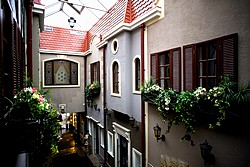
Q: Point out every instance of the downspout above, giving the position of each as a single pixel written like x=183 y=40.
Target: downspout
x=104 y=107
x=142 y=26
x=85 y=99
x=29 y=39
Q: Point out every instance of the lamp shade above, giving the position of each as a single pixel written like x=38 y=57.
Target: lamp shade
x=72 y=22
x=157 y=131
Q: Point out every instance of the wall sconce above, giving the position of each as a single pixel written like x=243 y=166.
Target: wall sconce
x=206 y=153
x=107 y=112
x=72 y=22
x=157 y=133
x=133 y=123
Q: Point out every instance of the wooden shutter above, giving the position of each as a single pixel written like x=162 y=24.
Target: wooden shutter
x=98 y=71
x=189 y=67
x=230 y=55
x=154 y=66
x=176 y=69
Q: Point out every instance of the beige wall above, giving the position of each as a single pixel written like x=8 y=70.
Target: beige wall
x=194 y=21
x=73 y=97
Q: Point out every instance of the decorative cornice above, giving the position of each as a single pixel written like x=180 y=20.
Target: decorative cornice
x=46 y=51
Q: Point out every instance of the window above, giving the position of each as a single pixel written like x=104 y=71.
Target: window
x=137 y=158
x=110 y=143
x=136 y=74
x=95 y=72
x=209 y=60
x=114 y=46
x=61 y=72
x=115 y=72
x=102 y=137
x=166 y=69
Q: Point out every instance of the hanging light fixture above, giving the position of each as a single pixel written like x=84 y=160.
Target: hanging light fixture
x=157 y=133
x=72 y=22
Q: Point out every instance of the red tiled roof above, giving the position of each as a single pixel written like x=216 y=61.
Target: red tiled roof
x=37 y=1
x=124 y=11
x=62 y=39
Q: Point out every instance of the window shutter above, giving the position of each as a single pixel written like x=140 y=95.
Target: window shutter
x=154 y=66
x=188 y=56
x=229 y=55
x=176 y=69
x=98 y=71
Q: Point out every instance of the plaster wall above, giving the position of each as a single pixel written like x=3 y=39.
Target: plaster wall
x=129 y=47
x=95 y=56
x=188 y=22
x=73 y=97
x=193 y=21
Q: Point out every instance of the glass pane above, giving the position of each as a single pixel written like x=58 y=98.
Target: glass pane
x=211 y=68
x=212 y=51
x=162 y=72
x=61 y=72
x=203 y=82
x=167 y=83
x=167 y=71
x=167 y=58
x=202 y=53
x=203 y=68
x=162 y=59
x=211 y=82
x=162 y=83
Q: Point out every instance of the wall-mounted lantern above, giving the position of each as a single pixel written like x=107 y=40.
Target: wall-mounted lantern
x=157 y=133
x=72 y=22
x=133 y=123
x=206 y=153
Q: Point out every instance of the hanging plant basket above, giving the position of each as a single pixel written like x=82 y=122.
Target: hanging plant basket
x=92 y=90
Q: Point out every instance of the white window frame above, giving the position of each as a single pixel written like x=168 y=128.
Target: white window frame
x=119 y=78
x=134 y=73
x=112 y=46
x=90 y=127
x=110 y=143
x=101 y=130
x=122 y=131
x=134 y=153
x=60 y=57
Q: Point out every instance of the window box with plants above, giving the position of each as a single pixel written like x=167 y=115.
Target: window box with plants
x=92 y=90
x=215 y=104
x=33 y=111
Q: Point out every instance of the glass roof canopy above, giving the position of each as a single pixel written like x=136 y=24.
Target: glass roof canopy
x=85 y=12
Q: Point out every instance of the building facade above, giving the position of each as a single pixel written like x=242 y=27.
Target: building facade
x=186 y=29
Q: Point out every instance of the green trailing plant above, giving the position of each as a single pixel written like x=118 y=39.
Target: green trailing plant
x=184 y=107
x=31 y=104
x=150 y=90
x=92 y=90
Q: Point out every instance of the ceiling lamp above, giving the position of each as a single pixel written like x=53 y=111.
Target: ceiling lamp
x=72 y=22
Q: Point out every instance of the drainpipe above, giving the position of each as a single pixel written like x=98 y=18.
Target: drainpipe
x=85 y=99
x=142 y=26
x=104 y=108
x=29 y=38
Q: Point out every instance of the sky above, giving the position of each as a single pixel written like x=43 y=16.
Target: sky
x=86 y=12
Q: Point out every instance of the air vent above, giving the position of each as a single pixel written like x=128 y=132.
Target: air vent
x=48 y=28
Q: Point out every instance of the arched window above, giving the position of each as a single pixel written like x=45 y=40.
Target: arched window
x=137 y=72
x=115 y=70
x=59 y=72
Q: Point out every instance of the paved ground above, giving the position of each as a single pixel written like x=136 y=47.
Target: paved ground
x=70 y=155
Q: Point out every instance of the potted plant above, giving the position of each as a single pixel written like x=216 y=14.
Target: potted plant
x=92 y=90
x=33 y=106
